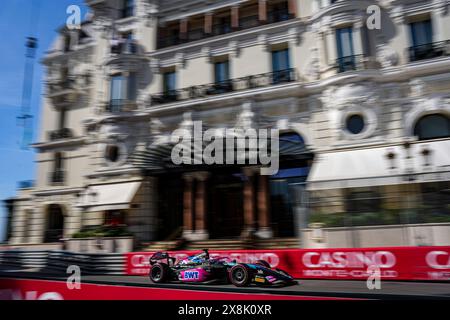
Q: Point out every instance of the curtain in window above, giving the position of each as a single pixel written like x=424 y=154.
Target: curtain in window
x=169 y=82
x=118 y=89
x=222 y=71
x=344 y=40
x=421 y=33
x=122 y=89
x=280 y=60
x=132 y=87
x=128 y=8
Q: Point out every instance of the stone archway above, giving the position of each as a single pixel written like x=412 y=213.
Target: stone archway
x=54 y=225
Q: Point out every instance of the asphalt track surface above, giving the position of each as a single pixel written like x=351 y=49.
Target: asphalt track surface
x=390 y=290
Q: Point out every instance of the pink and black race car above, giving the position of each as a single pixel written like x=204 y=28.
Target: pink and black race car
x=201 y=268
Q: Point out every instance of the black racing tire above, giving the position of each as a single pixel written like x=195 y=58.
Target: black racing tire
x=240 y=275
x=263 y=263
x=159 y=273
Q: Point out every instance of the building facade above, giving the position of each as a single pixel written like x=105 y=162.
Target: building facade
x=363 y=115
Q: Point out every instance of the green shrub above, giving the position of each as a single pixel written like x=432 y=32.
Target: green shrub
x=103 y=232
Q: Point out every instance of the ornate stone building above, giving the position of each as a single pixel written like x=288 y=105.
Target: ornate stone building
x=363 y=115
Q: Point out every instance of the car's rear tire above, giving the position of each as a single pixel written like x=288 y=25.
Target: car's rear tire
x=159 y=273
x=240 y=275
x=263 y=263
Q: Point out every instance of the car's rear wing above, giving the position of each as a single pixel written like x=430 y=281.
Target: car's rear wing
x=158 y=256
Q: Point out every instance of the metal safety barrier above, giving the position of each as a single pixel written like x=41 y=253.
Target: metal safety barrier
x=59 y=261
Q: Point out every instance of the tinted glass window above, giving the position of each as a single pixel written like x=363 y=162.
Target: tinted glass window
x=169 y=81
x=421 y=32
x=355 y=124
x=344 y=40
x=280 y=60
x=221 y=71
x=433 y=126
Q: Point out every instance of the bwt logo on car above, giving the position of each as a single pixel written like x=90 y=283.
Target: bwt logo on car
x=382 y=259
x=193 y=275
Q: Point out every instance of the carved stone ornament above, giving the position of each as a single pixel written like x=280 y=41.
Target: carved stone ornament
x=246 y=117
x=441 y=6
x=350 y=94
x=387 y=56
x=156 y=126
x=418 y=88
x=313 y=67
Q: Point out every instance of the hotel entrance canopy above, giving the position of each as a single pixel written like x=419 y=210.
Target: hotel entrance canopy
x=105 y=197
x=157 y=158
x=378 y=166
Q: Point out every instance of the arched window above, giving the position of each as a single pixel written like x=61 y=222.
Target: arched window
x=291 y=144
x=292 y=137
x=433 y=126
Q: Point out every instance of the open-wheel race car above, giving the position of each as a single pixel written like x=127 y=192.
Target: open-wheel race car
x=202 y=268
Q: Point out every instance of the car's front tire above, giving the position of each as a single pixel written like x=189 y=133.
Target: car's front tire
x=240 y=275
x=159 y=273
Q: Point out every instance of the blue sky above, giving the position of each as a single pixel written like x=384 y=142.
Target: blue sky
x=17 y=164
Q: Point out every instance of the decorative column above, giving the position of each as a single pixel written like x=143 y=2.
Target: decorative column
x=440 y=8
x=262 y=10
x=208 y=22
x=331 y=45
x=249 y=205
x=235 y=17
x=321 y=52
x=188 y=208
x=183 y=28
x=201 y=232
x=264 y=230
x=359 y=37
x=263 y=42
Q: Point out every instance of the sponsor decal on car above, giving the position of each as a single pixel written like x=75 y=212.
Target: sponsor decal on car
x=191 y=275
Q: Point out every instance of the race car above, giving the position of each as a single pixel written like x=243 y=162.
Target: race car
x=201 y=268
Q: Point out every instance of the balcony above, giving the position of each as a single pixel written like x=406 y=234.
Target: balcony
x=127 y=47
x=355 y=63
x=60 y=134
x=57 y=178
x=429 y=51
x=232 y=85
x=247 y=22
x=125 y=55
x=63 y=92
x=278 y=16
x=120 y=105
